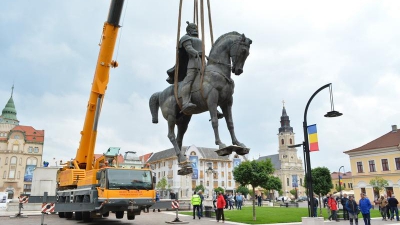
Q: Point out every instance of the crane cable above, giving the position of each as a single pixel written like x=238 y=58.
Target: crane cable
x=196 y=21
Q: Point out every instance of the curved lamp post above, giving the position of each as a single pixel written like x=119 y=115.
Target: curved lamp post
x=340 y=185
x=306 y=146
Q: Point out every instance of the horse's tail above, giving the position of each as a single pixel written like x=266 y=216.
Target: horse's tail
x=154 y=104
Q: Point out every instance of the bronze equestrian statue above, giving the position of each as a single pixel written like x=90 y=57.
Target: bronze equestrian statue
x=216 y=90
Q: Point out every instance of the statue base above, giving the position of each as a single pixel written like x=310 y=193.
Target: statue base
x=232 y=148
x=185 y=171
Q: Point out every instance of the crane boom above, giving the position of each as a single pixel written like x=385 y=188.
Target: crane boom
x=85 y=153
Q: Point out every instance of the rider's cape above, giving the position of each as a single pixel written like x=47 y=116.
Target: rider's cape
x=183 y=58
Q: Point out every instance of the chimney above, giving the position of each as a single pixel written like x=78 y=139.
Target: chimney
x=394 y=128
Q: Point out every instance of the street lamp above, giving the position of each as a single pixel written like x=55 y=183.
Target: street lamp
x=211 y=172
x=340 y=186
x=306 y=146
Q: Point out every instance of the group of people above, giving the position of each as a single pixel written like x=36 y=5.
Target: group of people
x=388 y=207
x=232 y=201
x=351 y=209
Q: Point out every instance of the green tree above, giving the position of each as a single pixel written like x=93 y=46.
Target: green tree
x=199 y=187
x=162 y=184
x=378 y=184
x=322 y=181
x=254 y=173
x=274 y=183
x=293 y=192
x=219 y=189
x=242 y=189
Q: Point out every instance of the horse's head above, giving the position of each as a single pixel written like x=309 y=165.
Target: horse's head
x=239 y=52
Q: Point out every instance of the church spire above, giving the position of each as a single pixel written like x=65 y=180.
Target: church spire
x=285 y=122
x=9 y=113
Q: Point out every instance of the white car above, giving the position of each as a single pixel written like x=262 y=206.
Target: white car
x=283 y=198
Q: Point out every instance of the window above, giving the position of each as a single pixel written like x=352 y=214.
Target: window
x=372 y=166
x=30 y=150
x=282 y=141
x=397 y=162
x=223 y=184
x=344 y=185
x=13 y=160
x=11 y=174
x=360 y=167
x=385 y=165
x=36 y=150
x=291 y=142
x=287 y=182
x=31 y=161
x=6 y=162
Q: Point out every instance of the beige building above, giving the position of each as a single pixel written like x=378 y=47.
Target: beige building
x=378 y=158
x=21 y=150
x=209 y=170
x=288 y=166
x=346 y=182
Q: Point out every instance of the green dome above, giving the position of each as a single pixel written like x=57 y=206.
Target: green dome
x=9 y=111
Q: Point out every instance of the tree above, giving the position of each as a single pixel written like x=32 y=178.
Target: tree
x=162 y=184
x=321 y=181
x=274 y=183
x=242 y=189
x=219 y=189
x=378 y=184
x=199 y=187
x=254 y=173
x=293 y=192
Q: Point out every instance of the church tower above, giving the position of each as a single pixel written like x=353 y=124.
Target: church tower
x=9 y=113
x=286 y=138
x=291 y=172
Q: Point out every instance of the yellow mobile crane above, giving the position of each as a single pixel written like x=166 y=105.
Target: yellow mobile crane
x=92 y=187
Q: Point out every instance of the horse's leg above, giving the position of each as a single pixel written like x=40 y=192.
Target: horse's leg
x=227 y=110
x=171 y=135
x=182 y=124
x=212 y=100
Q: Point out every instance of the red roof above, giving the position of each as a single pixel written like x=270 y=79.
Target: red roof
x=30 y=133
x=145 y=157
x=391 y=139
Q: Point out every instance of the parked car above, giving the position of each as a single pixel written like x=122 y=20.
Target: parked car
x=283 y=198
x=267 y=199
x=302 y=198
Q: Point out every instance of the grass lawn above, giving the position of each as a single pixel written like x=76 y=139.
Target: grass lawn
x=265 y=215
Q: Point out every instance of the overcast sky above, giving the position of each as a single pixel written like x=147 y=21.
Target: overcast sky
x=48 y=50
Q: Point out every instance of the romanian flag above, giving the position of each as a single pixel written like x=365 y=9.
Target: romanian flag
x=313 y=137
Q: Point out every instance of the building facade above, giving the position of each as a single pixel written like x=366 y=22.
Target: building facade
x=21 y=150
x=345 y=183
x=288 y=166
x=209 y=169
x=378 y=158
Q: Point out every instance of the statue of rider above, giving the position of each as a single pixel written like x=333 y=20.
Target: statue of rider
x=190 y=50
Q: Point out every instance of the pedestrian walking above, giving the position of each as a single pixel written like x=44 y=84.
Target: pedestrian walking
x=393 y=207
x=230 y=201
x=196 y=201
x=332 y=203
x=215 y=200
x=365 y=208
x=315 y=214
x=226 y=200
x=234 y=198
x=220 y=207
x=352 y=210
x=328 y=210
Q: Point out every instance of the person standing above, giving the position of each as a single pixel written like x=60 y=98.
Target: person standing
x=215 y=200
x=365 y=207
x=393 y=207
x=157 y=200
x=343 y=202
x=259 y=199
x=352 y=210
x=315 y=214
x=220 y=207
x=226 y=200
x=234 y=198
x=239 y=200
x=230 y=200
x=196 y=201
x=332 y=203
x=201 y=204
x=383 y=202
x=328 y=210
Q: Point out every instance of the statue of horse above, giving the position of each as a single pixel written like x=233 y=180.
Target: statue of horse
x=216 y=90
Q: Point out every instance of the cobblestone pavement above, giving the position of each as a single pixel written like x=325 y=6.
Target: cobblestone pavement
x=152 y=218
